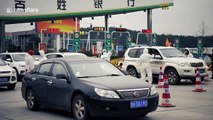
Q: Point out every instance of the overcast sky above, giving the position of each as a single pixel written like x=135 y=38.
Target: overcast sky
x=184 y=18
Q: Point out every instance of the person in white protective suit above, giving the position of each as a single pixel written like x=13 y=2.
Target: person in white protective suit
x=146 y=72
x=188 y=53
x=29 y=61
x=42 y=53
x=106 y=55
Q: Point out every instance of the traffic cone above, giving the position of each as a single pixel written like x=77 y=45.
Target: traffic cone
x=166 y=98
x=206 y=78
x=160 y=79
x=198 y=86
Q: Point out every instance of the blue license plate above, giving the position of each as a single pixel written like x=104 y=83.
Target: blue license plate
x=201 y=71
x=3 y=79
x=139 y=104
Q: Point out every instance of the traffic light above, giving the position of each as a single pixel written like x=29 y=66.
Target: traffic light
x=147 y=31
x=129 y=41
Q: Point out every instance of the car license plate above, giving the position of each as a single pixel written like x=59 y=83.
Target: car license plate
x=139 y=104
x=3 y=80
x=201 y=71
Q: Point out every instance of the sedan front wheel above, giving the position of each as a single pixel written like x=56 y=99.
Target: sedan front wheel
x=79 y=108
x=32 y=104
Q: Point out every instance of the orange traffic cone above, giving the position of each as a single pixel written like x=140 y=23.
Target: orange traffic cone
x=160 y=79
x=206 y=78
x=198 y=86
x=166 y=102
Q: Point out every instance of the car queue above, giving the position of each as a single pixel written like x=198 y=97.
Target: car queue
x=89 y=86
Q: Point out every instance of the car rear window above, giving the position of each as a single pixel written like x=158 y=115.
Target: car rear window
x=53 y=56
x=132 y=53
x=2 y=63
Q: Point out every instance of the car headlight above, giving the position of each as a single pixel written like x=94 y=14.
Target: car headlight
x=184 y=64
x=13 y=71
x=153 y=90
x=21 y=65
x=106 y=93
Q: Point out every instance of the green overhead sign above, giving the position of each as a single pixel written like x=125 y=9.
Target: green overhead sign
x=76 y=41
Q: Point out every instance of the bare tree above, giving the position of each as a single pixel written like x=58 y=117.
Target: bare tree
x=203 y=29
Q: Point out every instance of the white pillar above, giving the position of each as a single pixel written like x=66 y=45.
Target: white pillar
x=58 y=42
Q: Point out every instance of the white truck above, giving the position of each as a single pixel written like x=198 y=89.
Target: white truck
x=173 y=62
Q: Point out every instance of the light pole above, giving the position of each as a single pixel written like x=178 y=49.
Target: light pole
x=42 y=35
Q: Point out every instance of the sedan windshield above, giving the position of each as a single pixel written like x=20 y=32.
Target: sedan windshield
x=19 y=57
x=2 y=63
x=172 y=53
x=86 y=69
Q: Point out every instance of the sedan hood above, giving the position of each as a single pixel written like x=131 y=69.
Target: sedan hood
x=116 y=82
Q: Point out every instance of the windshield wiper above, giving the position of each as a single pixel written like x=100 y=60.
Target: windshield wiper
x=170 y=56
x=112 y=75
x=86 y=76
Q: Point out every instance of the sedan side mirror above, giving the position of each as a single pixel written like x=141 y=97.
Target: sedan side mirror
x=61 y=76
x=158 y=57
x=9 y=60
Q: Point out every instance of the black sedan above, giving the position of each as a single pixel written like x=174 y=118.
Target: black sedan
x=87 y=87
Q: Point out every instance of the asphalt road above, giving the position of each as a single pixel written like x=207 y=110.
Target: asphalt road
x=189 y=106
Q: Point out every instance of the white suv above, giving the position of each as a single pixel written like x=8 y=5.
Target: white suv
x=173 y=62
x=7 y=76
x=16 y=60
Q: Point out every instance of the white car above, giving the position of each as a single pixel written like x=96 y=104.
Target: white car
x=173 y=62
x=16 y=61
x=66 y=55
x=7 y=76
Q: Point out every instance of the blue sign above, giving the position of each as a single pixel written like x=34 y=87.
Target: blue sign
x=119 y=48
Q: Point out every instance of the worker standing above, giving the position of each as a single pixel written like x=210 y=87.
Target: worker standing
x=145 y=66
x=188 y=53
x=106 y=55
x=29 y=61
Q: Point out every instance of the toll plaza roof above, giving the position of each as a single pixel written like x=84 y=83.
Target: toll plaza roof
x=38 y=10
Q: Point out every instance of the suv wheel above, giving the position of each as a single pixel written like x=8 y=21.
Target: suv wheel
x=132 y=71
x=17 y=74
x=174 y=78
